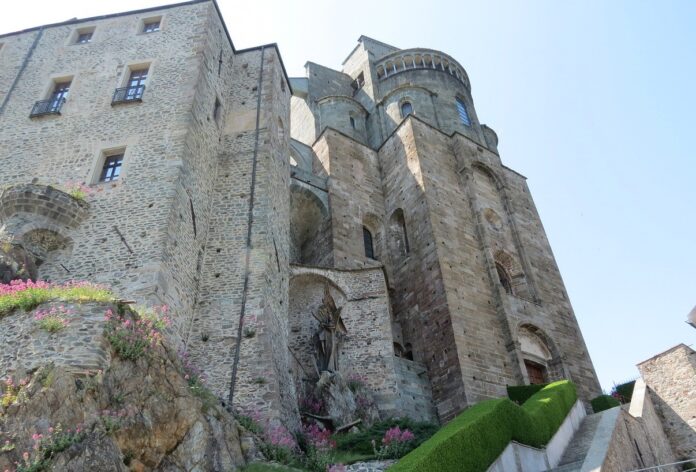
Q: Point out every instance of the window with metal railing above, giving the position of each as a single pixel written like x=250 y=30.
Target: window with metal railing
x=54 y=103
x=133 y=92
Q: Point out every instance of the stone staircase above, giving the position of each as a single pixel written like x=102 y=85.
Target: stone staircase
x=577 y=450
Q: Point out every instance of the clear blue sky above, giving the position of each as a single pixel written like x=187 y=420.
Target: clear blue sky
x=593 y=101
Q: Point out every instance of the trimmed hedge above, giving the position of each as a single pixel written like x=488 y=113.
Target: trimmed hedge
x=604 y=402
x=473 y=440
x=521 y=393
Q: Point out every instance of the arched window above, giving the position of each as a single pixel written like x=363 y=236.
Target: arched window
x=504 y=278
x=406 y=109
x=352 y=122
x=367 y=240
x=463 y=114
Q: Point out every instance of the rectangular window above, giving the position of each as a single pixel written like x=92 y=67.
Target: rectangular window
x=55 y=100
x=358 y=83
x=151 y=26
x=463 y=114
x=367 y=241
x=135 y=86
x=112 y=168
x=84 y=38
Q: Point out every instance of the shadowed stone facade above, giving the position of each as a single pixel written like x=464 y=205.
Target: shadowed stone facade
x=242 y=194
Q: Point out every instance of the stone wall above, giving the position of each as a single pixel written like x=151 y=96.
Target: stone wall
x=671 y=379
x=367 y=349
x=80 y=346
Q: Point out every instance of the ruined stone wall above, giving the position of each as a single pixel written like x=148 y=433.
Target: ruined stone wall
x=671 y=378
x=69 y=147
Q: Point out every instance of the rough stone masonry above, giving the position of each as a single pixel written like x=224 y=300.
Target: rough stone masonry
x=220 y=187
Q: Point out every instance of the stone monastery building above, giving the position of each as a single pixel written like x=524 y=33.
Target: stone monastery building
x=234 y=194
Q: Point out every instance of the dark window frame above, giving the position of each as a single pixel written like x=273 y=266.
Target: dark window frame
x=368 y=242
x=152 y=26
x=463 y=112
x=111 y=168
x=406 y=108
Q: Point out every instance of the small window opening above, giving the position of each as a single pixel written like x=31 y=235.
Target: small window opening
x=504 y=278
x=463 y=114
x=59 y=95
x=112 y=168
x=367 y=240
x=406 y=109
x=358 y=83
x=84 y=37
x=352 y=122
x=220 y=63
x=151 y=26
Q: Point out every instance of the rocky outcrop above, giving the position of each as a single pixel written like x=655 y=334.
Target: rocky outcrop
x=137 y=415
x=15 y=263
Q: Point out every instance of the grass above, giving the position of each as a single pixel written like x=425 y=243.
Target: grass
x=28 y=295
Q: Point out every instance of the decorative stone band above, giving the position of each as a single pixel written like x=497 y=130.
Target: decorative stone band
x=44 y=200
x=411 y=59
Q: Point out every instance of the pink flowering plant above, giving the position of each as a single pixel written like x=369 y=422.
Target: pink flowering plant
x=77 y=190
x=53 y=319
x=27 y=295
x=12 y=392
x=395 y=443
x=278 y=443
x=132 y=336
x=46 y=446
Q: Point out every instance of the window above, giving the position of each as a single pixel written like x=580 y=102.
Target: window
x=135 y=86
x=367 y=240
x=352 y=122
x=112 y=168
x=83 y=35
x=151 y=26
x=358 y=83
x=406 y=109
x=463 y=115
x=55 y=100
x=504 y=278
x=84 y=38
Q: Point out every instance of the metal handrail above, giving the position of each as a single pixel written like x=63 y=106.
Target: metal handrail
x=51 y=106
x=133 y=93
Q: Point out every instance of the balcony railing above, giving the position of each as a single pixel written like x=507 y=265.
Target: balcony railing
x=47 y=107
x=413 y=59
x=128 y=94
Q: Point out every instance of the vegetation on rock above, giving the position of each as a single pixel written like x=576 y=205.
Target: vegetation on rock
x=27 y=295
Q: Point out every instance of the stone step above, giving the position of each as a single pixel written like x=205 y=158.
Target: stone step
x=574 y=455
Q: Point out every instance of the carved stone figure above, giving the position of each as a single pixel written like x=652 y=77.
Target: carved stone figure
x=328 y=335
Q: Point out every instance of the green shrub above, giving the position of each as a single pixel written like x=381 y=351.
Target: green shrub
x=27 y=295
x=361 y=442
x=475 y=438
x=521 y=393
x=604 y=402
x=624 y=391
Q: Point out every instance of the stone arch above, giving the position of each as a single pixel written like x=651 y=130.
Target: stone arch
x=310 y=227
x=303 y=160
x=508 y=267
x=540 y=356
x=306 y=291
x=398 y=235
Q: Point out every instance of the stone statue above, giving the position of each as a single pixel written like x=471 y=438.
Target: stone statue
x=328 y=335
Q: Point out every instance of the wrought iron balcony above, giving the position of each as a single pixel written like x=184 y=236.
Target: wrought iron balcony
x=51 y=106
x=128 y=94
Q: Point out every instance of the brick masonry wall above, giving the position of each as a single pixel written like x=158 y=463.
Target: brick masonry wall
x=671 y=378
